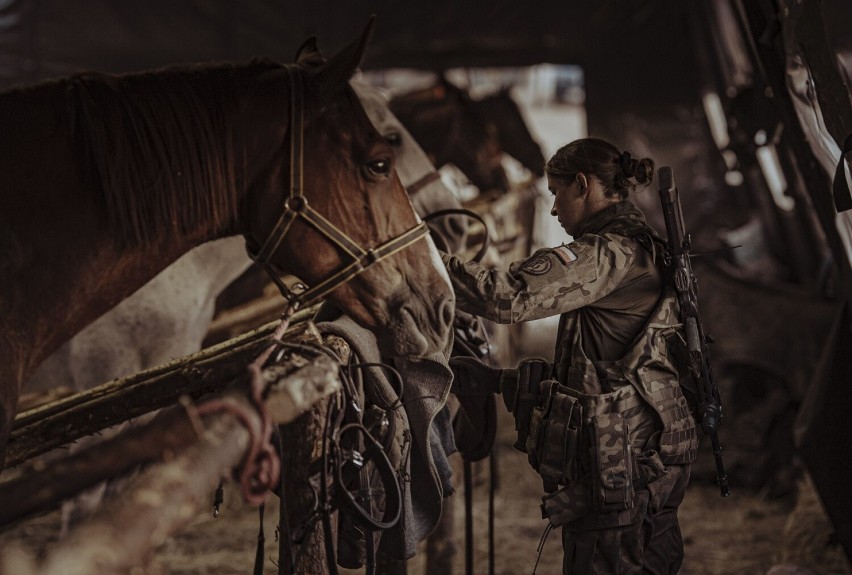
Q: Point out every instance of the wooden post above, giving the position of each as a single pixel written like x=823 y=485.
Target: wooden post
x=304 y=440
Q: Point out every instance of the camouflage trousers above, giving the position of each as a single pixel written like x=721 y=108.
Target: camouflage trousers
x=645 y=539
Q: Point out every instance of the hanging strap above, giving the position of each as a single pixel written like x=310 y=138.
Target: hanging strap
x=840 y=186
x=468 y=518
x=261 y=542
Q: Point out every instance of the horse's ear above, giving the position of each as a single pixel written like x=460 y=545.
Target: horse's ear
x=337 y=71
x=309 y=54
x=450 y=88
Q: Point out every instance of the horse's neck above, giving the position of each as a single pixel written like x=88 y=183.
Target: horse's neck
x=68 y=269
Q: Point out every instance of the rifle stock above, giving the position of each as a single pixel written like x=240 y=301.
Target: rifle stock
x=697 y=342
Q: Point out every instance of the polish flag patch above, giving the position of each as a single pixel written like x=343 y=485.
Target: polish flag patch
x=565 y=254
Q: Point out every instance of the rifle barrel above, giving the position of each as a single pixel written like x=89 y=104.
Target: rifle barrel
x=709 y=400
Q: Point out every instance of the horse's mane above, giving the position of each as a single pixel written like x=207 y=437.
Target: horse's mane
x=158 y=146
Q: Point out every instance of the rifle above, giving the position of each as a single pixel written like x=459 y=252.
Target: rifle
x=697 y=343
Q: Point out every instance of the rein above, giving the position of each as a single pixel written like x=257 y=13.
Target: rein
x=296 y=206
x=355 y=472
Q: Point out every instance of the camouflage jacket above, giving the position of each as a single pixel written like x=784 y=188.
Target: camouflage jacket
x=603 y=272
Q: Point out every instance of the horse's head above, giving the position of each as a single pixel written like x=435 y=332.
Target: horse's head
x=515 y=137
x=351 y=235
x=444 y=121
x=426 y=189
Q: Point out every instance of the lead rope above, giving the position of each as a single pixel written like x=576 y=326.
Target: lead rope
x=492 y=490
x=286 y=556
x=262 y=466
x=541 y=543
x=261 y=542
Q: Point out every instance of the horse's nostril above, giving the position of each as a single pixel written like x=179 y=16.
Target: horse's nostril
x=447 y=312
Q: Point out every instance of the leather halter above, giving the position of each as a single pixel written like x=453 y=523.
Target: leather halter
x=429 y=178
x=296 y=206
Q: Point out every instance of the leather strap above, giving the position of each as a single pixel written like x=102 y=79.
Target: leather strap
x=840 y=186
x=423 y=182
x=296 y=206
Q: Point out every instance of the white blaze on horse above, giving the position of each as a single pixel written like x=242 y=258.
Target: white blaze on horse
x=111 y=179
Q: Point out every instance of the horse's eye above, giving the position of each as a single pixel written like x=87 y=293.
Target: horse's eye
x=379 y=167
x=394 y=139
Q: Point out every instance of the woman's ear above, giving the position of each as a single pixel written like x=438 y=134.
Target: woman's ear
x=583 y=182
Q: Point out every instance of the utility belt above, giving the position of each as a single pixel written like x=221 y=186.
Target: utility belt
x=573 y=436
x=569 y=436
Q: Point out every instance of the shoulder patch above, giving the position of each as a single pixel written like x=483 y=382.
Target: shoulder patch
x=537 y=265
x=565 y=254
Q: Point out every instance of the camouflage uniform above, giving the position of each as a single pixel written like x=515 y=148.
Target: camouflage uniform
x=612 y=435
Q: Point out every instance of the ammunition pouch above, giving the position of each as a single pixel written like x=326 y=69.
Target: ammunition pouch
x=531 y=374
x=574 y=437
x=554 y=434
x=553 y=440
x=614 y=468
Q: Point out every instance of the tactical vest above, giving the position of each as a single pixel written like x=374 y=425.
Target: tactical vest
x=643 y=382
x=603 y=417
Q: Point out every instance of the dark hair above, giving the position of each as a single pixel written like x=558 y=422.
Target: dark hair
x=599 y=158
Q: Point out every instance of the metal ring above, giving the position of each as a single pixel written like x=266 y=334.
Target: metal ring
x=296 y=203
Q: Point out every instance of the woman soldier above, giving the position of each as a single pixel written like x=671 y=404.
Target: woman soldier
x=606 y=425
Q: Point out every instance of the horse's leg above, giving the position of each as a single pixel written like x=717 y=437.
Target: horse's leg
x=81 y=506
x=302 y=457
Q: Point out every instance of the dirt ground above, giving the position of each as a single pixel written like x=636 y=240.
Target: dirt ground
x=745 y=533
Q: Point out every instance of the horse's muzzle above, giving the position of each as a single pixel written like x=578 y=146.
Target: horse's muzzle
x=419 y=326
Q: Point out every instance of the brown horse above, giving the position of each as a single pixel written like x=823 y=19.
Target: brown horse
x=445 y=122
x=500 y=109
x=109 y=179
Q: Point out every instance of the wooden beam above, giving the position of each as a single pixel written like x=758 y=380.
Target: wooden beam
x=122 y=535
x=41 y=486
x=211 y=370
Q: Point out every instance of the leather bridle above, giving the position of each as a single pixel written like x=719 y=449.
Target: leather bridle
x=296 y=206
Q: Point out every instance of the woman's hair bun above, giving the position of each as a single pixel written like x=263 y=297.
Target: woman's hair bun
x=640 y=170
x=643 y=170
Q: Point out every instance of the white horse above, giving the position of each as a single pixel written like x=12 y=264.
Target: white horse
x=169 y=317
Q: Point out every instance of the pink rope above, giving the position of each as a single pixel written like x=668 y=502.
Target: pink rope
x=261 y=468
